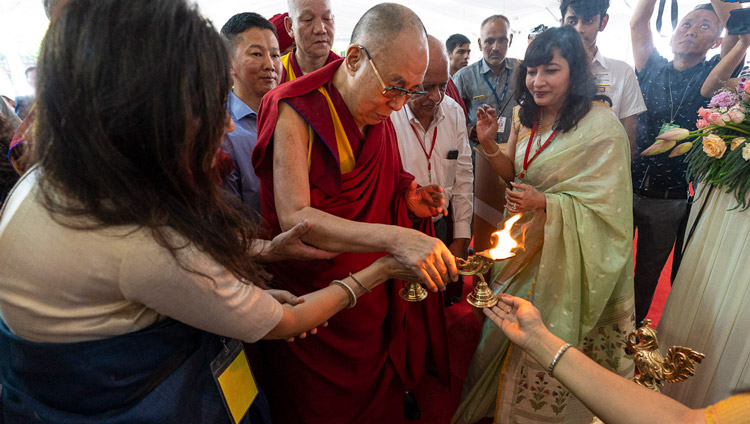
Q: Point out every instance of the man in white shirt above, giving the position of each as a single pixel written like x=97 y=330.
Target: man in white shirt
x=615 y=78
x=434 y=147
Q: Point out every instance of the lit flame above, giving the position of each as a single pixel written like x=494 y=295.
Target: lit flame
x=505 y=243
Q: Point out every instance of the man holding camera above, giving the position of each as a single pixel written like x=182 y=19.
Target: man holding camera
x=673 y=92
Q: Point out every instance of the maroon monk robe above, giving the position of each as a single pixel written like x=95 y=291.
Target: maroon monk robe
x=295 y=66
x=354 y=370
x=452 y=91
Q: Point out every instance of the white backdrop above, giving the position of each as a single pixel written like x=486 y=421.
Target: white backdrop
x=22 y=25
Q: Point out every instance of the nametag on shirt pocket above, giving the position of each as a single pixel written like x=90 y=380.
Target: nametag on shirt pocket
x=501 y=124
x=603 y=82
x=452 y=154
x=233 y=376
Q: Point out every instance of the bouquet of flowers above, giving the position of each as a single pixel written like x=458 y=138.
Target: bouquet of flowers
x=723 y=133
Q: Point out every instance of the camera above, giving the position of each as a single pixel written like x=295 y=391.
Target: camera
x=739 y=20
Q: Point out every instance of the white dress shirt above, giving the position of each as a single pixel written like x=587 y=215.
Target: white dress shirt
x=616 y=79
x=455 y=176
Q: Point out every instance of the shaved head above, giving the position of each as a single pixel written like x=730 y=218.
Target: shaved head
x=387 y=58
x=438 y=54
x=385 y=22
x=297 y=6
x=434 y=83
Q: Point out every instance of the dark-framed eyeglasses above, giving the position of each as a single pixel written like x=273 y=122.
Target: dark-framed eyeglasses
x=427 y=89
x=391 y=92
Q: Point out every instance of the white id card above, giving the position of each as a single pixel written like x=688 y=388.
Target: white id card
x=501 y=124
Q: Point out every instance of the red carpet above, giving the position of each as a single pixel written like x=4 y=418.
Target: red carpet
x=438 y=403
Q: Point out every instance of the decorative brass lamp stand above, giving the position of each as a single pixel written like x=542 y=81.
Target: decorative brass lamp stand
x=413 y=292
x=655 y=369
x=478 y=264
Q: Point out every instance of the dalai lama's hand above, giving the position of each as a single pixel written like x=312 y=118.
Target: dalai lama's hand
x=425 y=201
x=426 y=257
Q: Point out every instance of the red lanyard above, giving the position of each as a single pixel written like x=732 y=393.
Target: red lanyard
x=526 y=161
x=421 y=144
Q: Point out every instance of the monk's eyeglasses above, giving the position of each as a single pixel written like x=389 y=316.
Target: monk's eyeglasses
x=391 y=92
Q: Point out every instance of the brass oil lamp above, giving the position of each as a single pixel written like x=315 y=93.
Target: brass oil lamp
x=478 y=264
x=481 y=262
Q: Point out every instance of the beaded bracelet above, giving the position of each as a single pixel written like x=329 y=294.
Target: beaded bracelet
x=349 y=292
x=557 y=357
x=359 y=284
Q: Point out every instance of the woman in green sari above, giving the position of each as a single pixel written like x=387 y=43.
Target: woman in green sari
x=569 y=165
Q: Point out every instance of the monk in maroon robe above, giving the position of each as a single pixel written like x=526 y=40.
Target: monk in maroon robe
x=311 y=25
x=291 y=69
x=327 y=152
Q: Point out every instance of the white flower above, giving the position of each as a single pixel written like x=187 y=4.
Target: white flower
x=746 y=152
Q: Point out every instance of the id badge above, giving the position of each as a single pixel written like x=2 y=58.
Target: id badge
x=501 y=124
x=666 y=127
x=235 y=380
x=603 y=82
x=519 y=180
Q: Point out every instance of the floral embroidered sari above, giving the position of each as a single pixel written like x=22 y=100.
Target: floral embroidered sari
x=581 y=277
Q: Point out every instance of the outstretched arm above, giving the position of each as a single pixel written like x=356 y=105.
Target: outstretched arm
x=426 y=256
x=723 y=9
x=723 y=70
x=640 y=32
x=322 y=304
x=610 y=396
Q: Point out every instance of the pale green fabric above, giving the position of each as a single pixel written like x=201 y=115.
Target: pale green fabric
x=584 y=271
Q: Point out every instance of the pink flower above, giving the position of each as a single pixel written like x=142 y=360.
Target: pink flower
x=723 y=99
x=701 y=123
x=747 y=88
x=736 y=115
x=702 y=112
x=716 y=119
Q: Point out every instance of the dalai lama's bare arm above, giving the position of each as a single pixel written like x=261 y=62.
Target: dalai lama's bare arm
x=425 y=256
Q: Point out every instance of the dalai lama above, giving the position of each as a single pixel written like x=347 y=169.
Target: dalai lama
x=327 y=152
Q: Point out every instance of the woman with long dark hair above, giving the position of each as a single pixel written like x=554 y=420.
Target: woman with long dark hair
x=125 y=268
x=568 y=163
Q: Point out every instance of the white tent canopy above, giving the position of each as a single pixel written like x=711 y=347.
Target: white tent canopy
x=22 y=25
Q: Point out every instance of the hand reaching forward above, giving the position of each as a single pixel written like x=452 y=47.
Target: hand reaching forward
x=519 y=319
x=425 y=201
x=428 y=258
